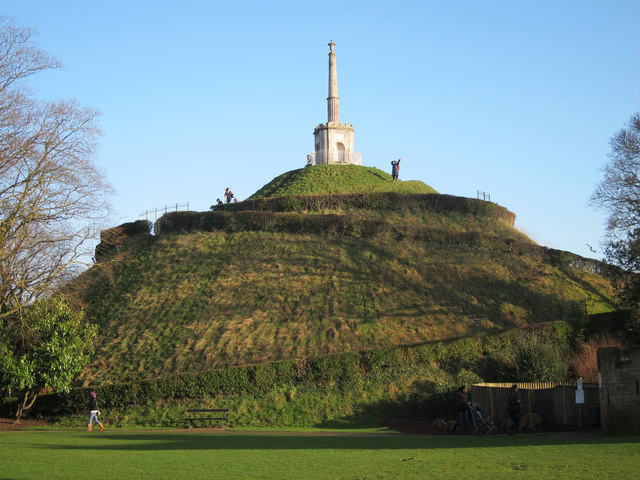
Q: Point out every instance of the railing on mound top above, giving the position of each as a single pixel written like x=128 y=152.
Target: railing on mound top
x=159 y=211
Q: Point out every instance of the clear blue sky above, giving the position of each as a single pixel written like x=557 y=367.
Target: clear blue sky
x=514 y=98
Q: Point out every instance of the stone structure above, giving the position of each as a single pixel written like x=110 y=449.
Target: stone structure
x=334 y=140
x=619 y=372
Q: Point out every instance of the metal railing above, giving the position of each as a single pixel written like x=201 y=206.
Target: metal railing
x=159 y=211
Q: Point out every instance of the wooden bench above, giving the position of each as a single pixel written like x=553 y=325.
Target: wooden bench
x=204 y=415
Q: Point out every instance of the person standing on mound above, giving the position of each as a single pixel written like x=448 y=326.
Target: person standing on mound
x=228 y=195
x=94 y=412
x=395 y=169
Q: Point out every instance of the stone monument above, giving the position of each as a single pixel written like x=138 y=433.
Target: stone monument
x=334 y=140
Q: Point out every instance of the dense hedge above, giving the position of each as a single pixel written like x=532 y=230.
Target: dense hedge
x=286 y=222
x=281 y=214
x=469 y=358
x=373 y=201
x=112 y=237
x=344 y=370
x=270 y=222
x=350 y=225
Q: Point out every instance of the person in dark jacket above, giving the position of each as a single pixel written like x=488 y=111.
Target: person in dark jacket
x=395 y=168
x=462 y=409
x=94 y=412
x=514 y=409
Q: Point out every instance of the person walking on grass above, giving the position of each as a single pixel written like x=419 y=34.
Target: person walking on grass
x=94 y=412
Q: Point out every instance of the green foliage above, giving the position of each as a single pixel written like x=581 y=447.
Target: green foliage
x=331 y=370
x=462 y=354
x=381 y=361
x=46 y=347
x=281 y=214
x=431 y=353
x=362 y=203
x=337 y=391
x=467 y=377
x=530 y=357
x=112 y=237
x=352 y=388
x=539 y=362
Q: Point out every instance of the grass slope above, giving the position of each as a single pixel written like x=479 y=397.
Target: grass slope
x=269 y=285
x=332 y=179
x=198 y=301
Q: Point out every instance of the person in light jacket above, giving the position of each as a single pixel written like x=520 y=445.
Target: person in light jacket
x=94 y=412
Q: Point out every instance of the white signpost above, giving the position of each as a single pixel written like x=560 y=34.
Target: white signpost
x=580 y=399
x=580 y=392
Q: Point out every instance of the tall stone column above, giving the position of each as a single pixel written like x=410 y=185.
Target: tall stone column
x=334 y=140
x=333 y=102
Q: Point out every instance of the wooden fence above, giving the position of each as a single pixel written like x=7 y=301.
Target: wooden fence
x=554 y=402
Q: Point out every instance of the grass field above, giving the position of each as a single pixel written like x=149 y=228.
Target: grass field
x=127 y=454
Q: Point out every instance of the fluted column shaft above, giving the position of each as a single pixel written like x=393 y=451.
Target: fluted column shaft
x=333 y=102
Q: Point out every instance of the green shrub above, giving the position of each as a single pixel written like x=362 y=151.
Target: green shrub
x=539 y=362
x=353 y=387
x=467 y=377
x=463 y=353
x=383 y=360
x=526 y=357
x=434 y=353
x=112 y=237
x=332 y=369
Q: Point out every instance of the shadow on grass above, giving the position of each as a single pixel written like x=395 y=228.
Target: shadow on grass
x=319 y=441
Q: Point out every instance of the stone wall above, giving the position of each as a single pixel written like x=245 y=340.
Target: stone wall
x=619 y=371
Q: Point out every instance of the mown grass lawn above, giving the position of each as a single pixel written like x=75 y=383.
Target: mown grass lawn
x=125 y=454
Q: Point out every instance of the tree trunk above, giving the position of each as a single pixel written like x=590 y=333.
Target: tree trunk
x=26 y=404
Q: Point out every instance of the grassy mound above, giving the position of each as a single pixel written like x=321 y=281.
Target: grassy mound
x=322 y=260
x=332 y=179
x=194 y=302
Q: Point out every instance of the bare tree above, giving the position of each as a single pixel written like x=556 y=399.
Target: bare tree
x=619 y=194
x=52 y=196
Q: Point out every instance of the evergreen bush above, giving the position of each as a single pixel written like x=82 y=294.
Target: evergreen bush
x=539 y=362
